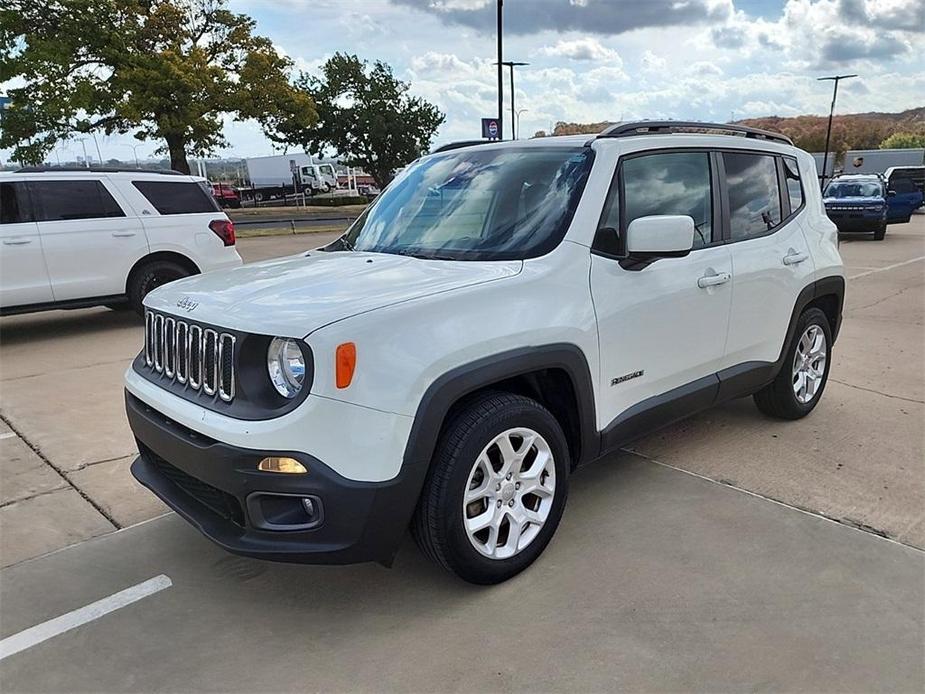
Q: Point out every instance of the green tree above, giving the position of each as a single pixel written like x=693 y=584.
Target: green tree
x=170 y=70
x=904 y=141
x=367 y=116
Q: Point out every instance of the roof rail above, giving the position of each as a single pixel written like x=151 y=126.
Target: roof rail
x=97 y=169
x=655 y=127
x=460 y=144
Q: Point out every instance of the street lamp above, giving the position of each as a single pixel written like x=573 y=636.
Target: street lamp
x=500 y=67
x=516 y=115
x=512 y=64
x=828 y=132
x=82 y=140
x=134 y=151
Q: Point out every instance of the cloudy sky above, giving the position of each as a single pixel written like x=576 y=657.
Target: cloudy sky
x=594 y=60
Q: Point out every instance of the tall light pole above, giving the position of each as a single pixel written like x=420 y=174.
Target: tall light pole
x=500 y=68
x=512 y=64
x=82 y=140
x=516 y=115
x=828 y=131
x=134 y=152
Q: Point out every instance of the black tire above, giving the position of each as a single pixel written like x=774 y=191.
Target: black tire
x=150 y=276
x=438 y=524
x=777 y=399
x=880 y=232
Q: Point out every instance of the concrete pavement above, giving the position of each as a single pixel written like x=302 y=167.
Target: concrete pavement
x=656 y=581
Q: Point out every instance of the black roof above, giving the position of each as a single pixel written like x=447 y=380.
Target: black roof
x=655 y=127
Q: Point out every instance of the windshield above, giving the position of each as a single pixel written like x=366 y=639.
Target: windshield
x=476 y=204
x=858 y=189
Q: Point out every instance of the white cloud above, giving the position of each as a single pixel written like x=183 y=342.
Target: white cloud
x=586 y=48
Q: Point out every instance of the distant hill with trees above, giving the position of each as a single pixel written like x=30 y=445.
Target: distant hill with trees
x=850 y=131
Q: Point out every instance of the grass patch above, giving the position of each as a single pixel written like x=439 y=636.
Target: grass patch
x=252 y=232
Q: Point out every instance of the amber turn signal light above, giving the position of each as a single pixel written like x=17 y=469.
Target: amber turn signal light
x=345 y=361
x=289 y=466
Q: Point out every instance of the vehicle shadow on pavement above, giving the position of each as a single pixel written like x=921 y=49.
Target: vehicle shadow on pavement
x=54 y=325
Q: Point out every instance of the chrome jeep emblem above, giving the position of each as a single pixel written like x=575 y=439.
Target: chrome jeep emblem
x=187 y=304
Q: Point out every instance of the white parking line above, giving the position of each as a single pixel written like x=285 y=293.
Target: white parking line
x=54 y=627
x=7 y=435
x=888 y=267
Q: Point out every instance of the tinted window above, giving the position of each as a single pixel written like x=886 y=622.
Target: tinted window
x=58 y=200
x=14 y=205
x=177 y=197
x=854 y=189
x=476 y=204
x=794 y=188
x=670 y=183
x=754 y=199
x=902 y=185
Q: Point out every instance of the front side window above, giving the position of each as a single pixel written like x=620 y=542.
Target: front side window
x=670 y=183
x=177 y=197
x=476 y=204
x=754 y=198
x=14 y=204
x=794 y=187
x=68 y=200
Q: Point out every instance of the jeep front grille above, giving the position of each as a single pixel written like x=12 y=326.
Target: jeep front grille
x=197 y=357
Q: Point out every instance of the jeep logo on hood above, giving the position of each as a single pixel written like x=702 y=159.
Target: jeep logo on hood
x=187 y=304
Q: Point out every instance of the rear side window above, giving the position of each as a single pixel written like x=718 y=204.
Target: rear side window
x=177 y=197
x=902 y=185
x=754 y=198
x=14 y=204
x=794 y=187
x=675 y=183
x=67 y=200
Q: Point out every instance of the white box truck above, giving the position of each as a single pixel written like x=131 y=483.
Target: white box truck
x=286 y=174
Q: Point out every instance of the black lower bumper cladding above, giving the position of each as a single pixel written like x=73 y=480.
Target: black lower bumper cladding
x=209 y=484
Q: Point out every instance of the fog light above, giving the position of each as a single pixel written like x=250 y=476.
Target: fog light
x=284 y=465
x=309 y=505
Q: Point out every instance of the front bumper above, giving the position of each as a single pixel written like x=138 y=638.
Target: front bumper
x=214 y=486
x=856 y=221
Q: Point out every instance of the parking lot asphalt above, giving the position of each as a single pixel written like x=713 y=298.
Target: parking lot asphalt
x=725 y=578
x=655 y=581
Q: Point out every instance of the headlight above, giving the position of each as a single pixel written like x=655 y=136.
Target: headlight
x=286 y=366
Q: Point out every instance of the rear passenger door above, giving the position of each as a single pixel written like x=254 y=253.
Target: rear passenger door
x=763 y=196
x=90 y=244
x=23 y=277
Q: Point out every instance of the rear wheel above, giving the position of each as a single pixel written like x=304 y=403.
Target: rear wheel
x=496 y=489
x=151 y=276
x=799 y=385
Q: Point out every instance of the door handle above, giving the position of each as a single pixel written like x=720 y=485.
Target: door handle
x=16 y=242
x=713 y=280
x=793 y=257
x=123 y=234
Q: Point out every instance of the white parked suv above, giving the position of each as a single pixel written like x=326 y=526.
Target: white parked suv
x=71 y=238
x=501 y=314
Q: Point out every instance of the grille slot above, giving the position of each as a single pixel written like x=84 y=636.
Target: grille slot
x=200 y=358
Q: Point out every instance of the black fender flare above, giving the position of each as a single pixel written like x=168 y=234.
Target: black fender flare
x=826 y=286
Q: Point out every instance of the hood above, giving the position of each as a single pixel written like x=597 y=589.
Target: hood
x=296 y=295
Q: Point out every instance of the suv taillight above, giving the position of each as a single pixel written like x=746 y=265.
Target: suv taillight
x=224 y=229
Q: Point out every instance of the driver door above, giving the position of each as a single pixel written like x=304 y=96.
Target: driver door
x=662 y=327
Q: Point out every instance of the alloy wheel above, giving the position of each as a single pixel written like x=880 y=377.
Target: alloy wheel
x=509 y=493
x=809 y=364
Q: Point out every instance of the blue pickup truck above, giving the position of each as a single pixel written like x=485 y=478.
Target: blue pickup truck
x=862 y=203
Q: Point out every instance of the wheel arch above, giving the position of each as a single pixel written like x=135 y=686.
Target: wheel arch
x=171 y=256
x=826 y=294
x=557 y=375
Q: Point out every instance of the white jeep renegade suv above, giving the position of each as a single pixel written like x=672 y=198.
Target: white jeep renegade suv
x=71 y=238
x=501 y=314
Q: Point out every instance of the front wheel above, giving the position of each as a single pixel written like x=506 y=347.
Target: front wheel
x=802 y=378
x=496 y=488
x=880 y=232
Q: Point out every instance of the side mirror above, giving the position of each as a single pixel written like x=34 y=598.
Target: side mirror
x=891 y=193
x=660 y=236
